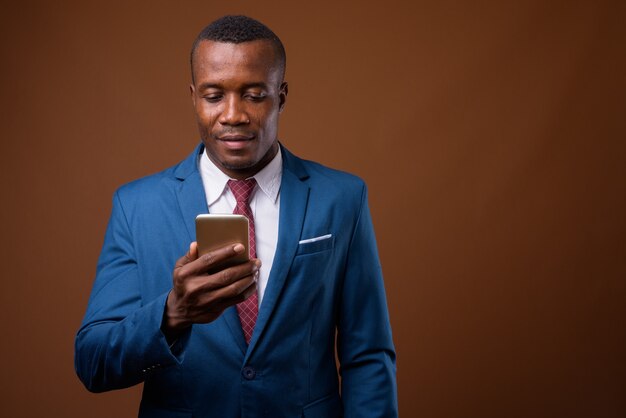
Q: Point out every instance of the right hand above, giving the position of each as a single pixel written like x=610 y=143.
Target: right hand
x=198 y=297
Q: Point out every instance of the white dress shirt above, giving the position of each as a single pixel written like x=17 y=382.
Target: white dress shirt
x=264 y=203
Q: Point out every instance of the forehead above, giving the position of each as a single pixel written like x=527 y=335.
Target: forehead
x=253 y=61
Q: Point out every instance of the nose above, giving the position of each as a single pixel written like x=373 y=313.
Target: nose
x=233 y=113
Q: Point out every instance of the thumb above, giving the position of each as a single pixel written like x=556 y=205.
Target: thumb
x=192 y=254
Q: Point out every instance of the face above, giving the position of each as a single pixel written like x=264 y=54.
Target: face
x=238 y=94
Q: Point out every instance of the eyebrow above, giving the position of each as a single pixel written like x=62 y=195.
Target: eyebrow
x=208 y=85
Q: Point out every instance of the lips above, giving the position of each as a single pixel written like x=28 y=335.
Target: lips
x=235 y=138
x=235 y=141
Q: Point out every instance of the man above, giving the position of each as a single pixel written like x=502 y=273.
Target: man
x=256 y=339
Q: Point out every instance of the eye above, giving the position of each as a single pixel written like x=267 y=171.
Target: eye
x=255 y=97
x=212 y=98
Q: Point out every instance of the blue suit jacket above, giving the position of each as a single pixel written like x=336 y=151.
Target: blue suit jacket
x=317 y=292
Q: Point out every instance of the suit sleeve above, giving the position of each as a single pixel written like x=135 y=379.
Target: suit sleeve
x=120 y=342
x=365 y=347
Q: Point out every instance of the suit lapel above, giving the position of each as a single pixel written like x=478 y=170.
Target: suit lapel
x=192 y=202
x=294 y=194
x=190 y=192
x=231 y=317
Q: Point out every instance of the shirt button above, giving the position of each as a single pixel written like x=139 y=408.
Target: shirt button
x=248 y=373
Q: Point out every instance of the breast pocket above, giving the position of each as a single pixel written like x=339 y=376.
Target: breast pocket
x=316 y=244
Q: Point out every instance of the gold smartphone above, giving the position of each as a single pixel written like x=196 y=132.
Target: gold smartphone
x=215 y=231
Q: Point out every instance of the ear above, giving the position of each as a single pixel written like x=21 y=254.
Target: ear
x=192 y=90
x=282 y=96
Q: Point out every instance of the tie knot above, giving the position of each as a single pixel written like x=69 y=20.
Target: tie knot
x=242 y=189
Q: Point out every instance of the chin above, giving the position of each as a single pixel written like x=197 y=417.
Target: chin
x=237 y=164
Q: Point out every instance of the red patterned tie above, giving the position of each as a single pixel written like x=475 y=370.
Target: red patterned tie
x=249 y=308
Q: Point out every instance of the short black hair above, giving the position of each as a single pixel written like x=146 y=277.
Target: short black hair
x=238 y=29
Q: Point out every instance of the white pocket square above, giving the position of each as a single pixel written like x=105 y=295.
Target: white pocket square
x=320 y=238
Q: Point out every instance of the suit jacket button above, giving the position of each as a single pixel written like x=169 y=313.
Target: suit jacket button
x=248 y=373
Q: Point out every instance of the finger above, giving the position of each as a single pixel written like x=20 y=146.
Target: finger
x=193 y=250
x=206 y=262
x=191 y=255
x=231 y=275
x=206 y=284
x=211 y=311
x=234 y=294
x=229 y=291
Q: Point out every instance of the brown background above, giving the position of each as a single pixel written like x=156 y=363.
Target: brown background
x=491 y=136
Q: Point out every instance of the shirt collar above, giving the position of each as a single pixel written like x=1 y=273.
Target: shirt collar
x=268 y=179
